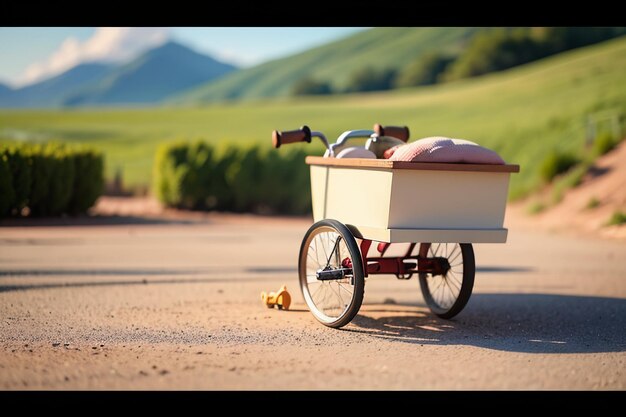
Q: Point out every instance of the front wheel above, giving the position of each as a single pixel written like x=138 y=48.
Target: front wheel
x=447 y=294
x=331 y=273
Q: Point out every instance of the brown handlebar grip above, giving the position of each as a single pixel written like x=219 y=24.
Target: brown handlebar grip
x=400 y=132
x=292 y=136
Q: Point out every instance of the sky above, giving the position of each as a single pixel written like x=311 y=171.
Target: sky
x=28 y=55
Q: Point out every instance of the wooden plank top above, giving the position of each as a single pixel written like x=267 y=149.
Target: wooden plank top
x=427 y=166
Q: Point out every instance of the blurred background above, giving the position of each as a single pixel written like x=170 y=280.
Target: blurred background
x=182 y=117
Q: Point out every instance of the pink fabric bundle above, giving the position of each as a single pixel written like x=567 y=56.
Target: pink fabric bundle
x=442 y=149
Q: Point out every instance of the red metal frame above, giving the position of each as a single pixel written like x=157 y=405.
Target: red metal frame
x=397 y=265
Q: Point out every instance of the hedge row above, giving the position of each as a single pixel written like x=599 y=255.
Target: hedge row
x=199 y=177
x=49 y=179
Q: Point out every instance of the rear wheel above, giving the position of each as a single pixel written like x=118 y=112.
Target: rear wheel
x=331 y=273
x=446 y=295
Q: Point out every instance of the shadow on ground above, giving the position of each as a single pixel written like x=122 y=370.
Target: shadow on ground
x=98 y=220
x=144 y=281
x=532 y=323
x=106 y=272
x=500 y=269
x=140 y=275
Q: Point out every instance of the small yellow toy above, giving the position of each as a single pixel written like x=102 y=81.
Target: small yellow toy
x=281 y=299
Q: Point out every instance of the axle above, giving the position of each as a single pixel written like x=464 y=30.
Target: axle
x=402 y=266
x=332 y=273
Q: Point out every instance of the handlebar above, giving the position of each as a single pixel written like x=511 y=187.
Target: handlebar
x=400 y=132
x=304 y=134
x=291 y=136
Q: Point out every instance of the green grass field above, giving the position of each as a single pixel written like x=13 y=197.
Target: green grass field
x=521 y=113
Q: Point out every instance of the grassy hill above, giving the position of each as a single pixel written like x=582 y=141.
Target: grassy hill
x=521 y=113
x=378 y=48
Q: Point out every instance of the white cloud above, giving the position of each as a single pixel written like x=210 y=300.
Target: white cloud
x=234 y=58
x=105 y=45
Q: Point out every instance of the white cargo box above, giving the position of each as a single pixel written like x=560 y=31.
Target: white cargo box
x=392 y=201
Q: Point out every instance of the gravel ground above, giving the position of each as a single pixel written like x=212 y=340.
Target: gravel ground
x=175 y=304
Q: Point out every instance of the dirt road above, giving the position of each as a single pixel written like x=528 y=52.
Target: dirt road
x=174 y=304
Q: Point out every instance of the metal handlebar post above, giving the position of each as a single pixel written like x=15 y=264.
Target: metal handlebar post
x=322 y=138
x=345 y=136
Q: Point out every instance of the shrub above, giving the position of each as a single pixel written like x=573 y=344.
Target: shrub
x=52 y=179
x=603 y=143
x=272 y=182
x=49 y=179
x=617 y=218
x=298 y=183
x=196 y=178
x=88 y=180
x=62 y=182
x=166 y=176
x=20 y=165
x=592 y=203
x=424 y=71
x=194 y=175
x=497 y=49
x=7 y=195
x=310 y=86
x=370 y=79
x=536 y=208
x=184 y=174
x=223 y=194
x=284 y=182
x=573 y=178
x=245 y=176
x=42 y=169
x=556 y=163
x=488 y=51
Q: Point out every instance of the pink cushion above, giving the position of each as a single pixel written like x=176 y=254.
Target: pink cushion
x=441 y=149
x=387 y=154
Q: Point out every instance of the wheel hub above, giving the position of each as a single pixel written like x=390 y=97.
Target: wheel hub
x=328 y=273
x=435 y=266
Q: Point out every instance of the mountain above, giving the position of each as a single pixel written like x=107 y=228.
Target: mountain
x=51 y=92
x=153 y=76
x=4 y=89
x=335 y=61
x=147 y=79
x=6 y=93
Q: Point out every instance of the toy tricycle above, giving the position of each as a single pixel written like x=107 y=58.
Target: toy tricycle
x=356 y=201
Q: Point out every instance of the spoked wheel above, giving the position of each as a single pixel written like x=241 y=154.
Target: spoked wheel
x=447 y=294
x=331 y=273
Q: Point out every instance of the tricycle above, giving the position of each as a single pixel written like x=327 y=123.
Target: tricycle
x=437 y=210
